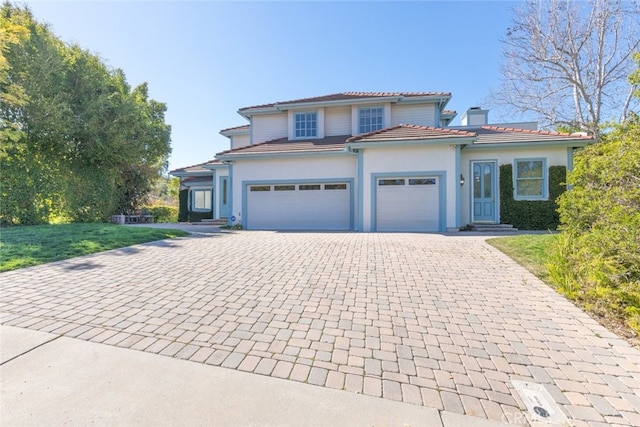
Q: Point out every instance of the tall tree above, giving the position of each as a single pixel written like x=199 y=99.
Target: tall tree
x=568 y=61
x=76 y=142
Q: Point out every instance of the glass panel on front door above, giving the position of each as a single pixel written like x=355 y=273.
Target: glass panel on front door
x=224 y=197
x=484 y=200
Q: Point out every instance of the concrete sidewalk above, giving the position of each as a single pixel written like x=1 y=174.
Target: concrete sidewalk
x=49 y=379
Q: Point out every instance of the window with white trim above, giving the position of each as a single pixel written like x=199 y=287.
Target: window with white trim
x=530 y=179
x=370 y=119
x=201 y=200
x=306 y=124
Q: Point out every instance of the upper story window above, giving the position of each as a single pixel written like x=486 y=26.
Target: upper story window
x=530 y=179
x=306 y=125
x=371 y=119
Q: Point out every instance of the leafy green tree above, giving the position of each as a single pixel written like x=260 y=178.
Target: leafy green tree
x=77 y=143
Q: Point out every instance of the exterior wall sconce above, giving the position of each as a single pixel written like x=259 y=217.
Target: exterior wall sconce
x=461 y=180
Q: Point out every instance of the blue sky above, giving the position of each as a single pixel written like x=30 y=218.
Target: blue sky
x=207 y=59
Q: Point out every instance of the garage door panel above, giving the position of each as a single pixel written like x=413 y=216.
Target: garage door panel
x=309 y=206
x=408 y=204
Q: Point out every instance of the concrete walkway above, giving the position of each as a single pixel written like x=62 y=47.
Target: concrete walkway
x=439 y=324
x=52 y=380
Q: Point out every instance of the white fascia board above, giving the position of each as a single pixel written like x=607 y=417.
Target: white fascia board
x=234 y=132
x=253 y=156
x=441 y=100
x=555 y=143
x=285 y=106
x=438 y=141
x=304 y=105
x=187 y=174
x=216 y=166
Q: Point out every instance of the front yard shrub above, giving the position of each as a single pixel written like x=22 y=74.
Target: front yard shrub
x=183 y=205
x=531 y=214
x=597 y=258
x=163 y=213
x=185 y=215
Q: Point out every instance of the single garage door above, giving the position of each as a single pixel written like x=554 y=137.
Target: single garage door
x=303 y=206
x=408 y=204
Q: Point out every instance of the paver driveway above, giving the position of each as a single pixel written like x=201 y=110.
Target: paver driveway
x=441 y=321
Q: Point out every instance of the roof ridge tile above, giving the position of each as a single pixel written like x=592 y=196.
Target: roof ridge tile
x=534 y=131
x=341 y=95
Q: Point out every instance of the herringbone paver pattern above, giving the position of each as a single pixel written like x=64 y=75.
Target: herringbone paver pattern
x=441 y=321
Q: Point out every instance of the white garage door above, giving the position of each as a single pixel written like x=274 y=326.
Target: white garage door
x=304 y=206
x=408 y=204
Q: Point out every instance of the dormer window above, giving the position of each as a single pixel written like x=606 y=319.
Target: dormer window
x=306 y=125
x=371 y=119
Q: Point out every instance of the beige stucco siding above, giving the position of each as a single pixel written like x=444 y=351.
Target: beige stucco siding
x=419 y=159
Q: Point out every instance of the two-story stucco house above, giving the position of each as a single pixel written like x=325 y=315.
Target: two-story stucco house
x=366 y=161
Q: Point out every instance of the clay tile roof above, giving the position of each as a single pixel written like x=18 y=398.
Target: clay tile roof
x=194 y=169
x=351 y=95
x=495 y=135
x=242 y=127
x=285 y=145
x=411 y=132
x=196 y=179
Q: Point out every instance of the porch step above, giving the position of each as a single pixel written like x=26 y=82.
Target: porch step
x=493 y=228
x=222 y=221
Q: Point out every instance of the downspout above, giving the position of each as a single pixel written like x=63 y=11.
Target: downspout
x=359 y=191
x=458 y=189
x=229 y=163
x=213 y=195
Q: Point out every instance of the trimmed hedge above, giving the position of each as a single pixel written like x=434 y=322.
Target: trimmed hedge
x=185 y=215
x=531 y=214
x=183 y=203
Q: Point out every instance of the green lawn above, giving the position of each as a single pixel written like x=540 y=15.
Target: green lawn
x=529 y=250
x=616 y=308
x=32 y=245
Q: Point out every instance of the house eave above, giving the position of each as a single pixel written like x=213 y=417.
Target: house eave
x=280 y=154
x=441 y=100
x=189 y=174
x=532 y=144
x=216 y=166
x=234 y=132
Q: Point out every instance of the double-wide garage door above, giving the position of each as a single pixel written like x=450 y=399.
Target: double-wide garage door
x=299 y=206
x=408 y=204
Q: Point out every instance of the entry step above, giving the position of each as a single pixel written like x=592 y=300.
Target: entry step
x=222 y=221
x=493 y=228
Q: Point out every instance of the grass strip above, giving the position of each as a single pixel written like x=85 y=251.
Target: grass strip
x=27 y=246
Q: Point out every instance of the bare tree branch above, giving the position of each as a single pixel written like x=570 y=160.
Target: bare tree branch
x=567 y=61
